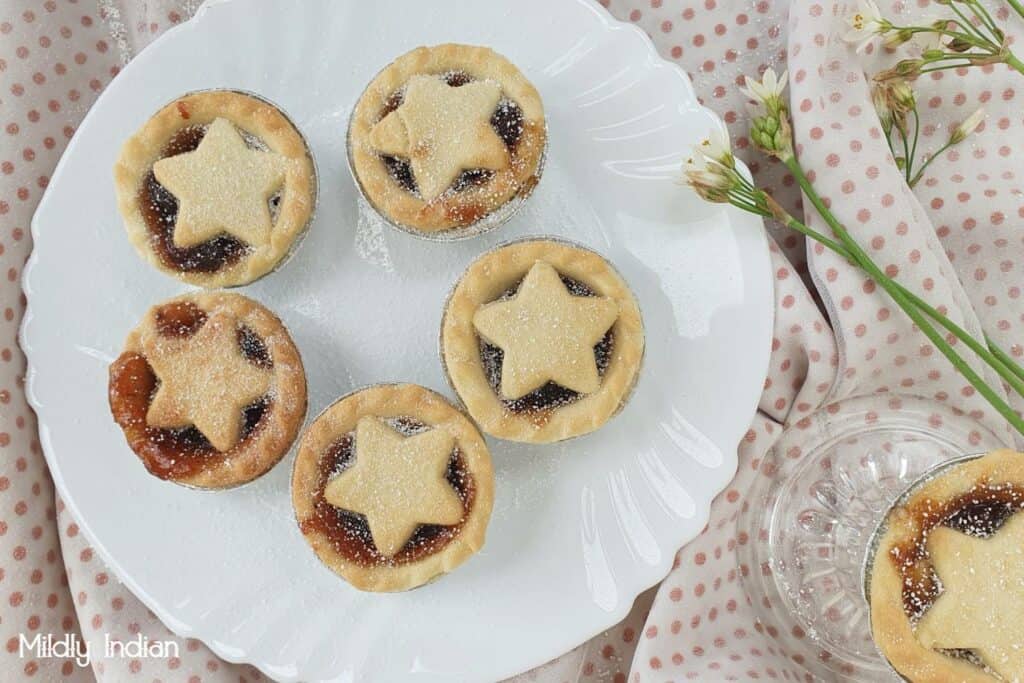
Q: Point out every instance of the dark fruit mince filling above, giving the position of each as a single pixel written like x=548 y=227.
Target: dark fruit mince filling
x=979 y=513
x=181 y=452
x=349 y=533
x=540 y=402
x=507 y=122
x=160 y=212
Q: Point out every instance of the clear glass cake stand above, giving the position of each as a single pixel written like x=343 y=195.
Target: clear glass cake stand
x=819 y=496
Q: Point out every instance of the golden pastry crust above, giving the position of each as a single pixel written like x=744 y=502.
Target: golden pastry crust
x=253 y=115
x=386 y=401
x=891 y=626
x=278 y=428
x=486 y=280
x=451 y=209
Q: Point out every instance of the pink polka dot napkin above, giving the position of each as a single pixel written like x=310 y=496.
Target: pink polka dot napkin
x=954 y=239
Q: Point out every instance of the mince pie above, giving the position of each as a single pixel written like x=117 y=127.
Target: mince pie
x=216 y=187
x=210 y=390
x=392 y=487
x=947 y=578
x=542 y=340
x=446 y=137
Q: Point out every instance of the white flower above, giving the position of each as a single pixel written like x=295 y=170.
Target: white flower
x=707 y=183
x=969 y=125
x=715 y=147
x=709 y=168
x=710 y=155
x=768 y=89
x=769 y=117
x=865 y=23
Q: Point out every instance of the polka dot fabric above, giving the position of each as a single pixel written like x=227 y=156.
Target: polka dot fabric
x=54 y=59
x=954 y=239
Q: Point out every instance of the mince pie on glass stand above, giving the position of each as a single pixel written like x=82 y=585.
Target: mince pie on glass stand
x=946 y=577
x=873 y=549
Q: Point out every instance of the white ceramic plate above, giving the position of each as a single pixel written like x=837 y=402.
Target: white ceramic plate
x=579 y=529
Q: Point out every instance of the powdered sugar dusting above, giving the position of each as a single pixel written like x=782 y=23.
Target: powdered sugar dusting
x=369 y=237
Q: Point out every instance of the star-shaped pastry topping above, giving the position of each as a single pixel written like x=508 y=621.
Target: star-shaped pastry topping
x=222 y=186
x=982 y=600
x=204 y=381
x=547 y=334
x=443 y=131
x=397 y=482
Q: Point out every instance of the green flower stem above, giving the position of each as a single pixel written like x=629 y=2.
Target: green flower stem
x=888 y=139
x=1015 y=63
x=969 y=59
x=984 y=17
x=794 y=224
x=913 y=147
x=994 y=356
x=897 y=293
x=750 y=208
x=966 y=23
x=1015 y=4
x=1005 y=358
x=920 y=172
x=971 y=37
x=990 y=353
x=907 y=160
x=754 y=200
x=747 y=197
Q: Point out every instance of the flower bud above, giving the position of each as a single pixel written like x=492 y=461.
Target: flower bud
x=969 y=125
x=771 y=133
x=959 y=45
x=880 y=99
x=908 y=68
x=902 y=95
